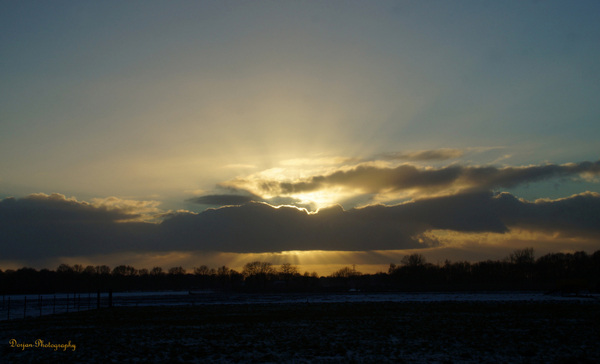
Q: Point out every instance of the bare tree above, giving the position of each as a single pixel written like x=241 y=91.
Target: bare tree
x=522 y=256
x=102 y=269
x=223 y=271
x=124 y=270
x=288 y=271
x=256 y=268
x=176 y=271
x=346 y=272
x=157 y=271
x=63 y=268
x=413 y=260
x=202 y=271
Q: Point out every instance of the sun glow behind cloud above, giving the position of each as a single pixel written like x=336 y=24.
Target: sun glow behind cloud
x=320 y=199
x=261 y=183
x=385 y=181
x=294 y=104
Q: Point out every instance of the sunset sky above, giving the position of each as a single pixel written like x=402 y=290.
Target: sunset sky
x=320 y=133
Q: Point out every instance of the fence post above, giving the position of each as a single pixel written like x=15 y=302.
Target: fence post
x=78 y=302
x=110 y=297
x=8 y=314
x=24 y=306
x=41 y=305
x=89 y=300
x=54 y=307
x=98 y=299
x=67 y=303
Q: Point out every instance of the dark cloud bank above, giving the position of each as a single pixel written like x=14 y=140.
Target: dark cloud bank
x=52 y=226
x=233 y=199
x=221 y=200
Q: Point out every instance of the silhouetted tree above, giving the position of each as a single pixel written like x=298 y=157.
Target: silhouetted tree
x=177 y=277
x=176 y=270
x=102 y=269
x=157 y=271
x=235 y=278
x=288 y=271
x=122 y=277
x=258 y=273
x=203 y=274
x=223 y=271
x=345 y=272
x=522 y=256
x=346 y=277
x=157 y=277
x=124 y=270
x=145 y=279
x=223 y=276
x=63 y=268
x=257 y=268
x=413 y=260
x=202 y=270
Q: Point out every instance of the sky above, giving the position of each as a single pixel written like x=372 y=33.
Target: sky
x=322 y=134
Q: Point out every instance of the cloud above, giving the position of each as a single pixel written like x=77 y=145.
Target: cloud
x=577 y=215
x=425 y=155
x=259 y=227
x=52 y=225
x=318 y=161
x=234 y=199
x=55 y=226
x=143 y=210
x=221 y=200
x=58 y=209
x=369 y=178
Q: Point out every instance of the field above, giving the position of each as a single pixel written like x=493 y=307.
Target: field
x=337 y=332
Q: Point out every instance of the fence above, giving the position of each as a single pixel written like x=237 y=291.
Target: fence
x=19 y=307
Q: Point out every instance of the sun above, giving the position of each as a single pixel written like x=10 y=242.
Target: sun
x=320 y=199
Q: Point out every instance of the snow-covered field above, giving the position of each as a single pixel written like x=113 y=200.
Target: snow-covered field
x=341 y=328
x=38 y=305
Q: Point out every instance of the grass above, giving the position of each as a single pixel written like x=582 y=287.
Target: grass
x=381 y=332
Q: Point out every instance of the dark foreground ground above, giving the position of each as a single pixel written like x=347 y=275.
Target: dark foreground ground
x=381 y=332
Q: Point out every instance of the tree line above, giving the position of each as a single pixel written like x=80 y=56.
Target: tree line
x=79 y=279
x=520 y=270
